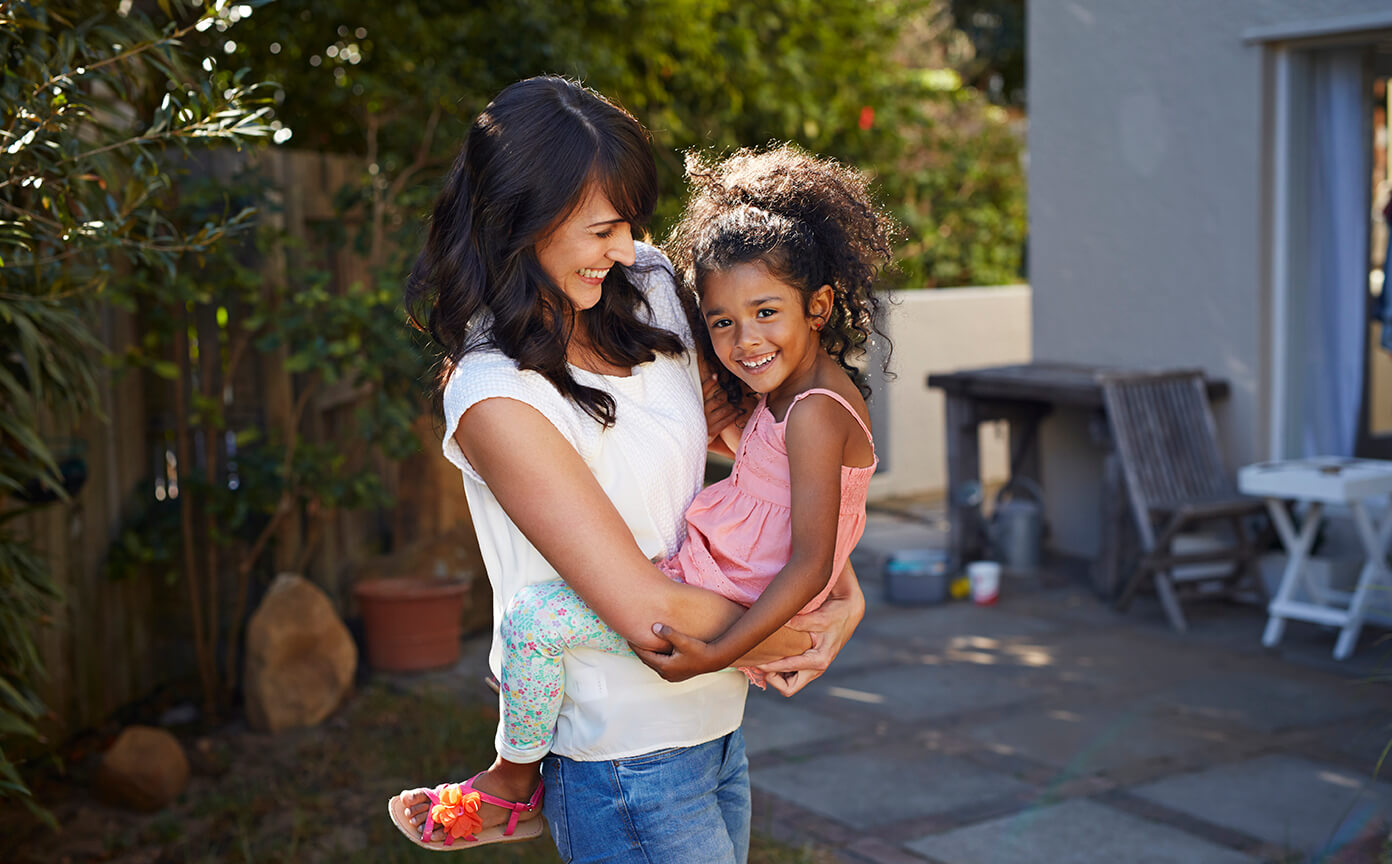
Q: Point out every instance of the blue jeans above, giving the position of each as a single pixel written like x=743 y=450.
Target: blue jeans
x=677 y=806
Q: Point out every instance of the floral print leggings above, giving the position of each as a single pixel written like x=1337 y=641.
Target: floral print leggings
x=541 y=622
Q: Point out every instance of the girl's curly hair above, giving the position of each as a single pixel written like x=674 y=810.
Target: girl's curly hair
x=809 y=220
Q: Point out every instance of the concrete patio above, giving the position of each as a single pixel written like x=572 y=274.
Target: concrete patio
x=1049 y=728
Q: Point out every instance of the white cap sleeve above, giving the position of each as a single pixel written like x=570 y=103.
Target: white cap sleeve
x=655 y=278
x=490 y=374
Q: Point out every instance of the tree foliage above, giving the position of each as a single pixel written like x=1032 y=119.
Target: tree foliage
x=996 y=30
x=867 y=83
x=90 y=101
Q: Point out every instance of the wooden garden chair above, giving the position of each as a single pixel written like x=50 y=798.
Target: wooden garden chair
x=1176 y=481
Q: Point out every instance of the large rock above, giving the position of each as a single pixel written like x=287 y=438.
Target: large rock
x=300 y=658
x=144 y=769
x=450 y=557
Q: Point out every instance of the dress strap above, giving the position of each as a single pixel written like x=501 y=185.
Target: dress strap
x=844 y=404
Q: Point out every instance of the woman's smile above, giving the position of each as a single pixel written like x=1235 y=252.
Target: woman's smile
x=592 y=276
x=594 y=233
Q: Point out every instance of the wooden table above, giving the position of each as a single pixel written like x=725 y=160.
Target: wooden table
x=1316 y=482
x=1023 y=395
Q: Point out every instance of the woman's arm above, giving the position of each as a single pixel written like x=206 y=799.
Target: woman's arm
x=816 y=441
x=550 y=494
x=801 y=650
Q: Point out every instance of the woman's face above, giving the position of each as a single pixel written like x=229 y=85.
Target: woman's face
x=577 y=255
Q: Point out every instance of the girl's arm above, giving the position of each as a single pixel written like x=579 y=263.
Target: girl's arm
x=816 y=438
x=550 y=494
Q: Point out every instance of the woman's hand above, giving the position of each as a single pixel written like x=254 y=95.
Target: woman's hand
x=830 y=626
x=688 y=658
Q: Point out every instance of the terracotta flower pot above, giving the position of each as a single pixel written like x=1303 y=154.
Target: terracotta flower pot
x=411 y=624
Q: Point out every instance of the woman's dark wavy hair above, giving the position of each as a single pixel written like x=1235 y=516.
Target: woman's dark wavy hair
x=810 y=221
x=524 y=168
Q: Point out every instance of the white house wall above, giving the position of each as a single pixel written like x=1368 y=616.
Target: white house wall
x=1147 y=206
x=942 y=331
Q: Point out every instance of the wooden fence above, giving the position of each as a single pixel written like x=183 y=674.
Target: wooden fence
x=114 y=641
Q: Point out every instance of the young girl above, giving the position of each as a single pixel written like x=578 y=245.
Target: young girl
x=781 y=250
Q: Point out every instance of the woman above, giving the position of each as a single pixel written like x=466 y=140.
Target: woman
x=572 y=409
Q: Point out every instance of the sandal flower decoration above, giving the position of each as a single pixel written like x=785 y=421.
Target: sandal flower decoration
x=457 y=812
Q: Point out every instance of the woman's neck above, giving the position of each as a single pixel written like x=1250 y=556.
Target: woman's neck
x=581 y=352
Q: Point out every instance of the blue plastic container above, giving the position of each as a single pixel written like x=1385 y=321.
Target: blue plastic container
x=917 y=577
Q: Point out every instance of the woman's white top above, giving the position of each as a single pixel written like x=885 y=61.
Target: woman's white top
x=651 y=463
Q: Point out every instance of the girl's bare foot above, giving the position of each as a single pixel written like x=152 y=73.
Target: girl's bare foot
x=510 y=781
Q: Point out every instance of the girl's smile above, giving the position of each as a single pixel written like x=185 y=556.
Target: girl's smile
x=758 y=364
x=759 y=327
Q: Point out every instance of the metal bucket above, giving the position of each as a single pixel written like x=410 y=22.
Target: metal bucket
x=1016 y=530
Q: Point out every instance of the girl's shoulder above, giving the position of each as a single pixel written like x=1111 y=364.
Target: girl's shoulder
x=838 y=403
x=831 y=381
x=835 y=405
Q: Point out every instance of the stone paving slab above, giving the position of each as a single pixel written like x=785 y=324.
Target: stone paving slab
x=1239 y=628
x=1113 y=664
x=1286 y=801
x=921 y=692
x=863 y=790
x=1265 y=702
x=772 y=723
x=1364 y=744
x=1080 y=741
x=1077 y=832
x=1077 y=606
x=935 y=625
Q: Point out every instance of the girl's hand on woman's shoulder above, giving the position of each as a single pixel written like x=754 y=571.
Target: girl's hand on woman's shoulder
x=720 y=415
x=724 y=422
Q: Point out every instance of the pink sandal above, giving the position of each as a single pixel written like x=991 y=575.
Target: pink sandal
x=454 y=807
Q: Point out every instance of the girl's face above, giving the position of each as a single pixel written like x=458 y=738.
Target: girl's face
x=759 y=328
x=578 y=252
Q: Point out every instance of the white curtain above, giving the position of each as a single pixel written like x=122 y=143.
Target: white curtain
x=1335 y=323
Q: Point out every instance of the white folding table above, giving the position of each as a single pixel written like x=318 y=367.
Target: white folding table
x=1316 y=482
